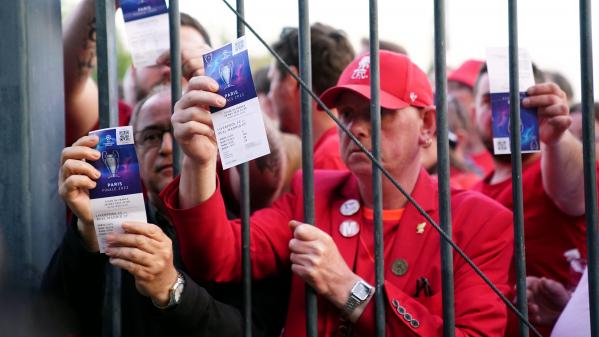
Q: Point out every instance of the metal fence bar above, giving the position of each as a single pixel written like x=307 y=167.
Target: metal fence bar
x=377 y=192
x=443 y=170
x=246 y=262
x=588 y=149
x=305 y=68
x=107 y=64
x=108 y=116
x=388 y=175
x=174 y=22
x=517 y=165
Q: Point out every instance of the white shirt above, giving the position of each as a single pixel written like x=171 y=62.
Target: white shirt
x=575 y=321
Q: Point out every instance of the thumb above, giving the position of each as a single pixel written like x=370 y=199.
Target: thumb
x=293 y=224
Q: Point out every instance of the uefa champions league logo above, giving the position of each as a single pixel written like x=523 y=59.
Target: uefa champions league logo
x=111 y=160
x=226 y=70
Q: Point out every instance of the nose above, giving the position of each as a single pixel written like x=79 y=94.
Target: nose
x=166 y=146
x=360 y=126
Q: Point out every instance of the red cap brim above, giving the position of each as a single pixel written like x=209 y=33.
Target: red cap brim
x=388 y=101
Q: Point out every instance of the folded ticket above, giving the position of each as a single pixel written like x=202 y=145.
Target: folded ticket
x=498 y=68
x=118 y=195
x=147 y=30
x=239 y=127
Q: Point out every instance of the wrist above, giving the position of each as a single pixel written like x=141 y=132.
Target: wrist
x=88 y=234
x=343 y=290
x=165 y=297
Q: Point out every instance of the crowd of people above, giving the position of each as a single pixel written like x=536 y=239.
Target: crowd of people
x=182 y=269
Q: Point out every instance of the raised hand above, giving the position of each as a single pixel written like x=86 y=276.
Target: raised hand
x=75 y=178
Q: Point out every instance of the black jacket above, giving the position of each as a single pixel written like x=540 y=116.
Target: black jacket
x=77 y=277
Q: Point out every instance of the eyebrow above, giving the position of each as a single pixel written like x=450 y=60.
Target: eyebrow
x=155 y=127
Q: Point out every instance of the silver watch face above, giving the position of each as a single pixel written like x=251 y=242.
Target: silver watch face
x=178 y=289
x=361 y=290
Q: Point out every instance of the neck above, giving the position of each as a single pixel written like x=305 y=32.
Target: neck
x=503 y=168
x=321 y=123
x=392 y=197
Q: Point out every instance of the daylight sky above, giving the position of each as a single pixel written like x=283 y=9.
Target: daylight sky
x=548 y=29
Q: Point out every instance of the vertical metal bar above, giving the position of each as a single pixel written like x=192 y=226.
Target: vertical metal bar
x=108 y=114
x=517 y=165
x=107 y=63
x=174 y=20
x=588 y=149
x=443 y=170
x=305 y=68
x=377 y=194
x=246 y=261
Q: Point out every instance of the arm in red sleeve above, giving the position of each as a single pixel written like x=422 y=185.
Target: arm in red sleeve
x=210 y=244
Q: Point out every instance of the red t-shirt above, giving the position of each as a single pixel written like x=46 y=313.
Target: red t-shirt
x=548 y=232
x=484 y=161
x=326 y=152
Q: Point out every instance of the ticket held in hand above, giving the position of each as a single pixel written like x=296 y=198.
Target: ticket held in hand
x=118 y=195
x=239 y=127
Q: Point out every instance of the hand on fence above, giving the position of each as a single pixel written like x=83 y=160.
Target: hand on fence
x=192 y=122
x=316 y=259
x=553 y=111
x=75 y=179
x=147 y=253
x=546 y=299
x=192 y=63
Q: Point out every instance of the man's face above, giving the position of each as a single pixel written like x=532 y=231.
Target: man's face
x=400 y=131
x=284 y=98
x=155 y=146
x=149 y=77
x=483 y=112
x=464 y=95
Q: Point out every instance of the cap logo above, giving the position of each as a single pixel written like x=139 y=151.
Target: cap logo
x=413 y=96
x=360 y=72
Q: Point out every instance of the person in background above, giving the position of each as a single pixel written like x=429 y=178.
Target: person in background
x=552 y=183
x=460 y=84
x=331 y=53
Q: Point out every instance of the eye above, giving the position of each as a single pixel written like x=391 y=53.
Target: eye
x=151 y=136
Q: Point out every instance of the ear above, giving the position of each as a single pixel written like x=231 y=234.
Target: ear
x=289 y=81
x=429 y=124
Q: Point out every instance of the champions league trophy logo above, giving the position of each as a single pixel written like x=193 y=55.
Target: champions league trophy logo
x=111 y=160
x=226 y=70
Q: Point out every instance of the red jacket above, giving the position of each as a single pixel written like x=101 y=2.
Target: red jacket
x=211 y=249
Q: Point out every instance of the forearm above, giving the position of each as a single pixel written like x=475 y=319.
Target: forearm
x=198 y=182
x=562 y=167
x=79 y=49
x=79 y=46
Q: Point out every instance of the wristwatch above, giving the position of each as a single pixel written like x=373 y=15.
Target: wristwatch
x=359 y=294
x=174 y=293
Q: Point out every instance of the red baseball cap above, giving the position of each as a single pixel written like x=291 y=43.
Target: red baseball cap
x=467 y=73
x=402 y=82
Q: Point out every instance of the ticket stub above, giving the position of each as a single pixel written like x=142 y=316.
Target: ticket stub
x=146 y=27
x=118 y=195
x=239 y=127
x=498 y=69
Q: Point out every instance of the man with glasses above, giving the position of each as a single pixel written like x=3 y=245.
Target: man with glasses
x=158 y=298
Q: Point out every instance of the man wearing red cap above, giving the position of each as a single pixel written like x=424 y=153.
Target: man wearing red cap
x=460 y=84
x=335 y=256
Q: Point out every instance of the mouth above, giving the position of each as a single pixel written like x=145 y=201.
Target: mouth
x=164 y=167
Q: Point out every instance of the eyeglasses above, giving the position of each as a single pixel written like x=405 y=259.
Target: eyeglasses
x=152 y=136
